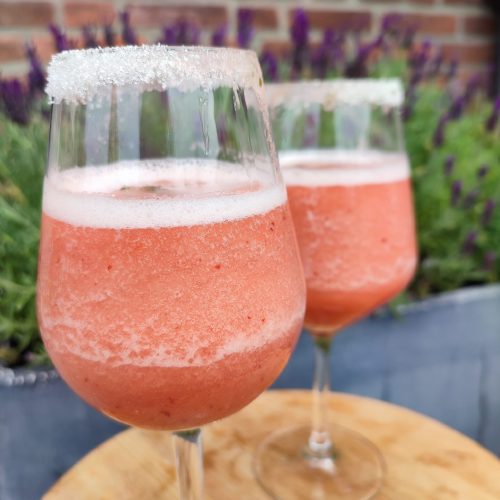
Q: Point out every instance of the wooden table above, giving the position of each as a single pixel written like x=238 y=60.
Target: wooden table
x=426 y=460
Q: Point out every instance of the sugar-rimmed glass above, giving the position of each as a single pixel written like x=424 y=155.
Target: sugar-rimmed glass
x=342 y=155
x=170 y=289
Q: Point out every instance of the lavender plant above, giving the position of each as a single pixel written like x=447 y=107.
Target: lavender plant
x=245 y=29
x=22 y=161
x=456 y=188
x=452 y=138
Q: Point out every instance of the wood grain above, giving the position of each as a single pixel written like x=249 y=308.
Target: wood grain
x=425 y=459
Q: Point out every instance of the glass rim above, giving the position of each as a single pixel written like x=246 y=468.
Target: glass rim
x=76 y=76
x=386 y=92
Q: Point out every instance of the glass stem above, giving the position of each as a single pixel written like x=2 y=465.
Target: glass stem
x=320 y=445
x=189 y=463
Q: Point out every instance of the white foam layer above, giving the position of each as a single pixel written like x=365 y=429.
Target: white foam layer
x=330 y=167
x=329 y=93
x=78 y=75
x=196 y=193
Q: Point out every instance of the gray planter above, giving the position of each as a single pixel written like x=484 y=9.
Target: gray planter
x=440 y=357
x=44 y=430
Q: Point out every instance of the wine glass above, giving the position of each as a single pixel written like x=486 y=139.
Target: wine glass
x=342 y=155
x=170 y=288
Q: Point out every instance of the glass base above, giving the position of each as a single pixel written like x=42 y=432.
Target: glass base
x=286 y=471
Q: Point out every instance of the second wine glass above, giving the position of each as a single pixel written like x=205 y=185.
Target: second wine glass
x=342 y=155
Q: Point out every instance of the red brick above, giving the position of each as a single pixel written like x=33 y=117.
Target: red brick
x=463 y=2
x=338 y=19
x=467 y=53
x=280 y=48
x=44 y=46
x=264 y=17
x=232 y=43
x=417 y=2
x=26 y=13
x=141 y=40
x=77 y=14
x=433 y=24
x=480 y=25
x=11 y=48
x=159 y=15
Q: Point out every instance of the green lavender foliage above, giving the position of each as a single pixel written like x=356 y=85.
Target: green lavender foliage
x=445 y=224
x=22 y=160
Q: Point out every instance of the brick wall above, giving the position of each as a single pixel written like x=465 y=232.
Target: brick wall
x=464 y=28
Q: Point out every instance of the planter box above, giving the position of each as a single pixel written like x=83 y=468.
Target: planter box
x=44 y=429
x=441 y=357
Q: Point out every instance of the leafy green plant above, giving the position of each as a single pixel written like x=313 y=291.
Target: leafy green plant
x=22 y=160
x=456 y=184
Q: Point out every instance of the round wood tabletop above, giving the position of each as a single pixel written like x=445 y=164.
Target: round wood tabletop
x=425 y=459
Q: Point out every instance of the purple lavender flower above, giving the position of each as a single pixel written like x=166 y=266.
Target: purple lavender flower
x=391 y=23
x=322 y=58
x=194 y=34
x=219 y=36
x=61 y=41
x=471 y=198
x=473 y=85
x=269 y=64
x=319 y=62
x=187 y=33
x=169 y=36
x=299 y=32
x=357 y=68
x=329 y=55
x=449 y=165
x=128 y=34
x=245 y=28
x=438 y=139
x=452 y=70
x=183 y=30
x=89 y=39
x=488 y=209
x=492 y=121
x=409 y=36
x=469 y=243
x=482 y=171
x=416 y=77
x=109 y=35
x=423 y=54
x=489 y=260
x=329 y=38
x=457 y=108
x=181 y=33
x=14 y=99
x=427 y=46
x=36 y=74
x=456 y=192
x=436 y=64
